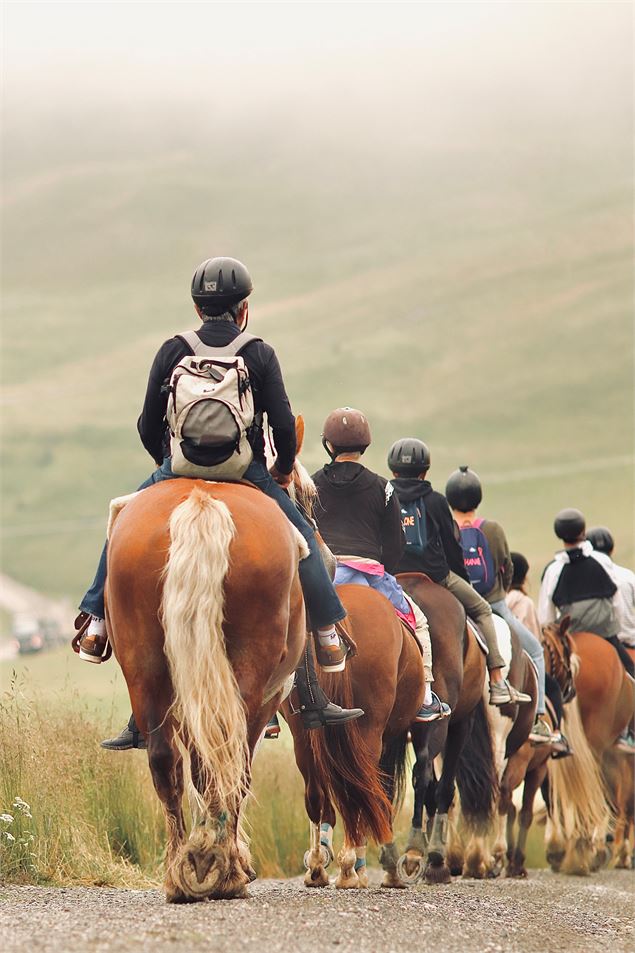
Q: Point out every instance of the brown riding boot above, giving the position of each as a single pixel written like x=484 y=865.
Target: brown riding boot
x=91 y=647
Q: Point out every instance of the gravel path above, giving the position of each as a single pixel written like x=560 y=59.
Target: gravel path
x=545 y=913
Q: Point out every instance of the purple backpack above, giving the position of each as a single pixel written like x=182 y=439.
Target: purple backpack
x=477 y=557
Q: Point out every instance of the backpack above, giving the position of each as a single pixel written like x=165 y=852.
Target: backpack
x=211 y=410
x=477 y=557
x=413 y=521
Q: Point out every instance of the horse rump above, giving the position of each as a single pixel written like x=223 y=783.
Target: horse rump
x=348 y=771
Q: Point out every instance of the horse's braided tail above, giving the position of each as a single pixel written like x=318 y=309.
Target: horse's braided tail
x=208 y=708
x=349 y=773
x=476 y=776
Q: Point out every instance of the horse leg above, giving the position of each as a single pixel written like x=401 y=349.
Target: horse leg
x=166 y=768
x=455 y=853
x=511 y=838
x=322 y=821
x=388 y=853
x=533 y=780
x=410 y=865
x=437 y=870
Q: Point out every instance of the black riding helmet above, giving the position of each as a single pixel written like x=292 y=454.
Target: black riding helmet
x=408 y=457
x=569 y=525
x=463 y=490
x=219 y=283
x=601 y=539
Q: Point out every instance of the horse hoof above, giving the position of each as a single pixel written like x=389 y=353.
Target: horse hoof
x=437 y=874
x=317 y=877
x=350 y=882
x=392 y=882
x=410 y=868
x=362 y=876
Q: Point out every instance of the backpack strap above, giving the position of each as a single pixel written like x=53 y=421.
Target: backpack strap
x=234 y=347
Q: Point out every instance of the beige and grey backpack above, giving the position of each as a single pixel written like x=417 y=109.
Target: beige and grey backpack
x=210 y=410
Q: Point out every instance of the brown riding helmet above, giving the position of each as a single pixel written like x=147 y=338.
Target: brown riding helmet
x=347 y=430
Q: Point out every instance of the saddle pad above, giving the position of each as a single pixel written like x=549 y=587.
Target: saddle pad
x=482 y=644
x=504 y=639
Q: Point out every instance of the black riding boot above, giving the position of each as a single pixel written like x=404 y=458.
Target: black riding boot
x=316 y=710
x=130 y=737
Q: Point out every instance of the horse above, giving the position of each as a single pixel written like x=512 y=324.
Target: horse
x=463 y=740
x=579 y=800
x=358 y=767
x=620 y=779
x=529 y=764
x=205 y=615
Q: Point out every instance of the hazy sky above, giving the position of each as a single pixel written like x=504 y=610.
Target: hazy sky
x=127 y=50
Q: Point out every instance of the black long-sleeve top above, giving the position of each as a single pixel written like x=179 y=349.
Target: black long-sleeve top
x=270 y=396
x=358 y=514
x=443 y=552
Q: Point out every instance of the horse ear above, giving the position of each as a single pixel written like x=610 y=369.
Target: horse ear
x=299 y=434
x=565 y=622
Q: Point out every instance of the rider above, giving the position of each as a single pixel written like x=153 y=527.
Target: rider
x=580 y=582
x=220 y=288
x=602 y=541
x=358 y=517
x=464 y=494
x=441 y=557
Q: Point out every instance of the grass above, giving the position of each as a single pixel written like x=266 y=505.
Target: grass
x=72 y=813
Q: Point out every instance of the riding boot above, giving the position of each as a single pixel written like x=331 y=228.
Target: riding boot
x=315 y=708
x=130 y=737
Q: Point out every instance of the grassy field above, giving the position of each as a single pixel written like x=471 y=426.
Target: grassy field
x=505 y=343
x=77 y=814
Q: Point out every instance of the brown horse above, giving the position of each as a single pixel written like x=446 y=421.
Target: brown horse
x=355 y=768
x=618 y=771
x=529 y=764
x=205 y=614
x=377 y=686
x=463 y=740
x=580 y=808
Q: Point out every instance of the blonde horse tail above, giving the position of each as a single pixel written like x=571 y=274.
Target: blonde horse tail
x=579 y=811
x=208 y=709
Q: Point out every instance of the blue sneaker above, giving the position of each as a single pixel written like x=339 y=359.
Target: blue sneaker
x=273 y=728
x=434 y=712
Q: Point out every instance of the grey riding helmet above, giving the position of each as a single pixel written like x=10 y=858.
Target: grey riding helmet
x=218 y=283
x=569 y=525
x=463 y=490
x=408 y=457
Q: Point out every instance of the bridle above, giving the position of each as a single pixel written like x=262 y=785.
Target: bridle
x=559 y=651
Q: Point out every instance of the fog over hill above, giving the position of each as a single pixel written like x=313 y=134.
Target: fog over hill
x=435 y=202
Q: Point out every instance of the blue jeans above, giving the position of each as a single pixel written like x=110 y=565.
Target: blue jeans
x=322 y=602
x=531 y=645
x=386 y=584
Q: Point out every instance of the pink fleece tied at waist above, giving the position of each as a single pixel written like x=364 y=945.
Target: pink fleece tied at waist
x=370 y=567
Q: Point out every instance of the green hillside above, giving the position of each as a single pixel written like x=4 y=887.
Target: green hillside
x=474 y=292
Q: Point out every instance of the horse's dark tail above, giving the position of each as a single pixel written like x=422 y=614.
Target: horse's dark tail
x=348 y=771
x=394 y=764
x=476 y=775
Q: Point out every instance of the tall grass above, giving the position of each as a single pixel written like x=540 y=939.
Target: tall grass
x=72 y=813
